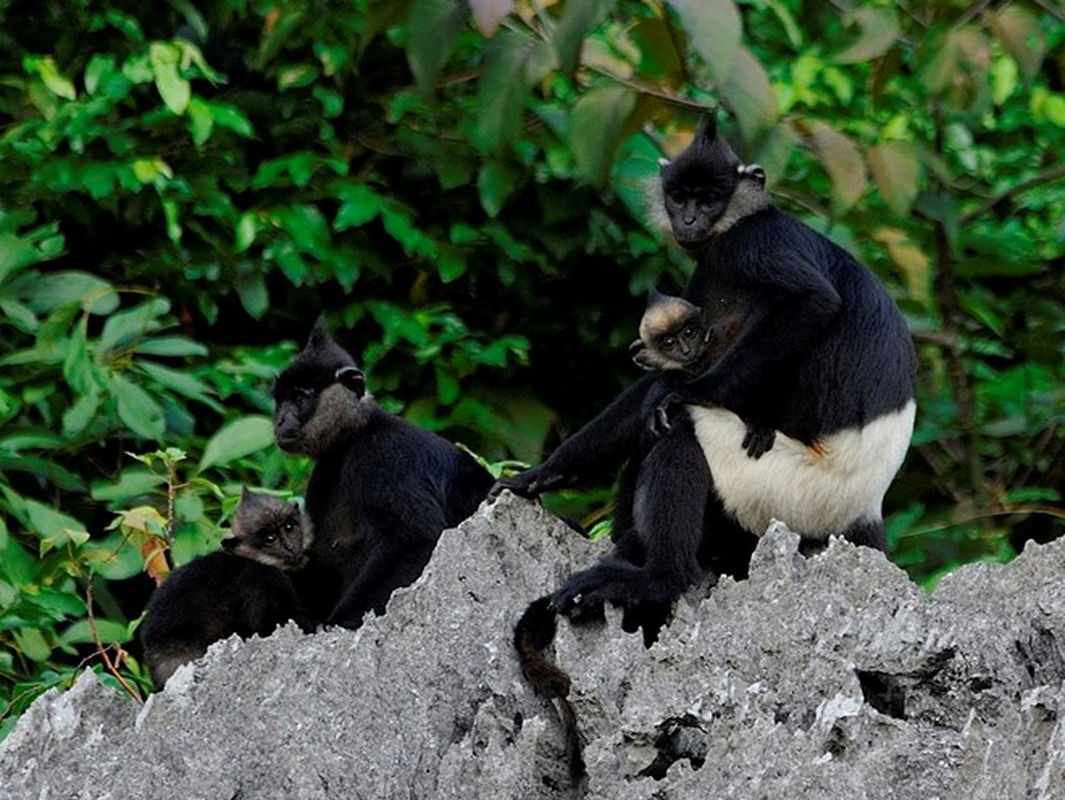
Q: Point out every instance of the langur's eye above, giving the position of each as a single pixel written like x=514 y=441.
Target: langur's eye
x=668 y=343
x=270 y=538
x=288 y=525
x=688 y=332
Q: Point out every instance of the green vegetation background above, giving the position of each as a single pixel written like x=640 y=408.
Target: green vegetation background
x=462 y=188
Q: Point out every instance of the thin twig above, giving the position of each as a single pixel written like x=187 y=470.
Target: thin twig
x=130 y=690
x=971 y=14
x=1054 y=12
x=652 y=91
x=1049 y=511
x=1047 y=176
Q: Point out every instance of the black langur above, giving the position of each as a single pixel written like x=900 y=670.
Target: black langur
x=672 y=334
x=812 y=349
x=381 y=492
x=675 y=337
x=244 y=588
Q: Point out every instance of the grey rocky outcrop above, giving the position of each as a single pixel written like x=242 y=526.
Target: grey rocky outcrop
x=831 y=676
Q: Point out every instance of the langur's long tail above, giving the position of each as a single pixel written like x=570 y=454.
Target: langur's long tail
x=533 y=633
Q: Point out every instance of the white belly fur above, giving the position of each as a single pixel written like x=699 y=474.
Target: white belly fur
x=814 y=494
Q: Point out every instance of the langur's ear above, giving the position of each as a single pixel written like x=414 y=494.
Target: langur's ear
x=662 y=163
x=352 y=379
x=654 y=297
x=229 y=543
x=752 y=171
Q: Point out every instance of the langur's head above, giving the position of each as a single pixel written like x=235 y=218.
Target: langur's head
x=320 y=397
x=672 y=334
x=706 y=188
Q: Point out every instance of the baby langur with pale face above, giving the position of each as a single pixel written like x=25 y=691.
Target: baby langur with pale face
x=673 y=335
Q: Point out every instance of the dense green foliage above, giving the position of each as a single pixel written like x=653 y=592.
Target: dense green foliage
x=462 y=188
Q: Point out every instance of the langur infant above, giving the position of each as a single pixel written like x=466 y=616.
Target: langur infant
x=244 y=588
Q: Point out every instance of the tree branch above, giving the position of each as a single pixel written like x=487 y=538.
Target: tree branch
x=1047 y=176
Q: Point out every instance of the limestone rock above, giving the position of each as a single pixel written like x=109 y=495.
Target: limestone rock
x=831 y=676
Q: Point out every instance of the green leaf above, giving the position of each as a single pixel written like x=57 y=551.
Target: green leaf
x=361 y=204
x=450 y=263
x=15 y=253
x=180 y=382
x=597 y=126
x=433 y=27
x=501 y=90
x=231 y=117
x=715 y=31
x=57 y=604
x=253 y=294
x=487 y=14
x=1020 y=33
x=114 y=558
x=78 y=416
x=495 y=183
x=137 y=410
x=78 y=367
x=201 y=120
x=895 y=168
x=58 y=289
x=173 y=346
x=843 y=162
x=52 y=527
x=124 y=328
x=913 y=263
x=31 y=643
x=239 y=438
x=579 y=18
x=447 y=387
x=80 y=632
x=296 y=76
x=176 y=92
x=46 y=68
x=132 y=483
x=152 y=171
x=751 y=96
x=307 y=227
x=16 y=564
x=878 y=29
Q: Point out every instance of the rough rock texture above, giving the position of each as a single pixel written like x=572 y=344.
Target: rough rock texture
x=824 y=677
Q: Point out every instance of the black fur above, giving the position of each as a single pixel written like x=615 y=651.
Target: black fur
x=381 y=492
x=238 y=590
x=809 y=345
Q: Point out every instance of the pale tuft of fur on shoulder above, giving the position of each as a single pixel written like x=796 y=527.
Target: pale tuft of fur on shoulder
x=655 y=207
x=339 y=413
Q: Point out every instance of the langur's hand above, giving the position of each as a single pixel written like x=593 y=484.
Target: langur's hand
x=660 y=419
x=531 y=483
x=759 y=440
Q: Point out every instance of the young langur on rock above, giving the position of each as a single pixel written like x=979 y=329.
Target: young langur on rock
x=381 y=492
x=809 y=347
x=244 y=588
